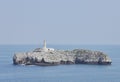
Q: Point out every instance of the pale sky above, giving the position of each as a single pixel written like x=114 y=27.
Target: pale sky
x=60 y=21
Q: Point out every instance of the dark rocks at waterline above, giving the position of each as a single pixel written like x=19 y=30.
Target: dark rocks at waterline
x=57 y=57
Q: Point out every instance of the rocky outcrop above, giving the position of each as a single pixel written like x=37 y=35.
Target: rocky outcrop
x=56 y=57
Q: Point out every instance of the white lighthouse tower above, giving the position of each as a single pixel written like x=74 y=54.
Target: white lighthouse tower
x=45 y=49
x=44 y=46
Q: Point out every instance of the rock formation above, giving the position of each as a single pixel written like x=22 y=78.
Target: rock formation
x=49 y=56
x=56 y=57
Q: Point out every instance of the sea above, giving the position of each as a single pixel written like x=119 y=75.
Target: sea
x=60 y=73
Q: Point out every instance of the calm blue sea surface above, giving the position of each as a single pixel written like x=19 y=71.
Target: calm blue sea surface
x=61 y=73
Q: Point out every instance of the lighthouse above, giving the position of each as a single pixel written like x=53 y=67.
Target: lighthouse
x=44 y=44
x=45 y=49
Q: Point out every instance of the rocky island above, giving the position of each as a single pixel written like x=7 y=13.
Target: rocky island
x=49 y=56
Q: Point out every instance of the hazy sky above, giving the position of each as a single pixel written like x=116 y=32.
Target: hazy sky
x=60 y=21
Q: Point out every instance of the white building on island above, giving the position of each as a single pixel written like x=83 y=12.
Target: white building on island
x=45 y=48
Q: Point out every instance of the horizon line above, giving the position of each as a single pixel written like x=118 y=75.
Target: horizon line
x=60 y=44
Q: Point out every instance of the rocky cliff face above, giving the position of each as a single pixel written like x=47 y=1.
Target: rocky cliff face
x=56 y=57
